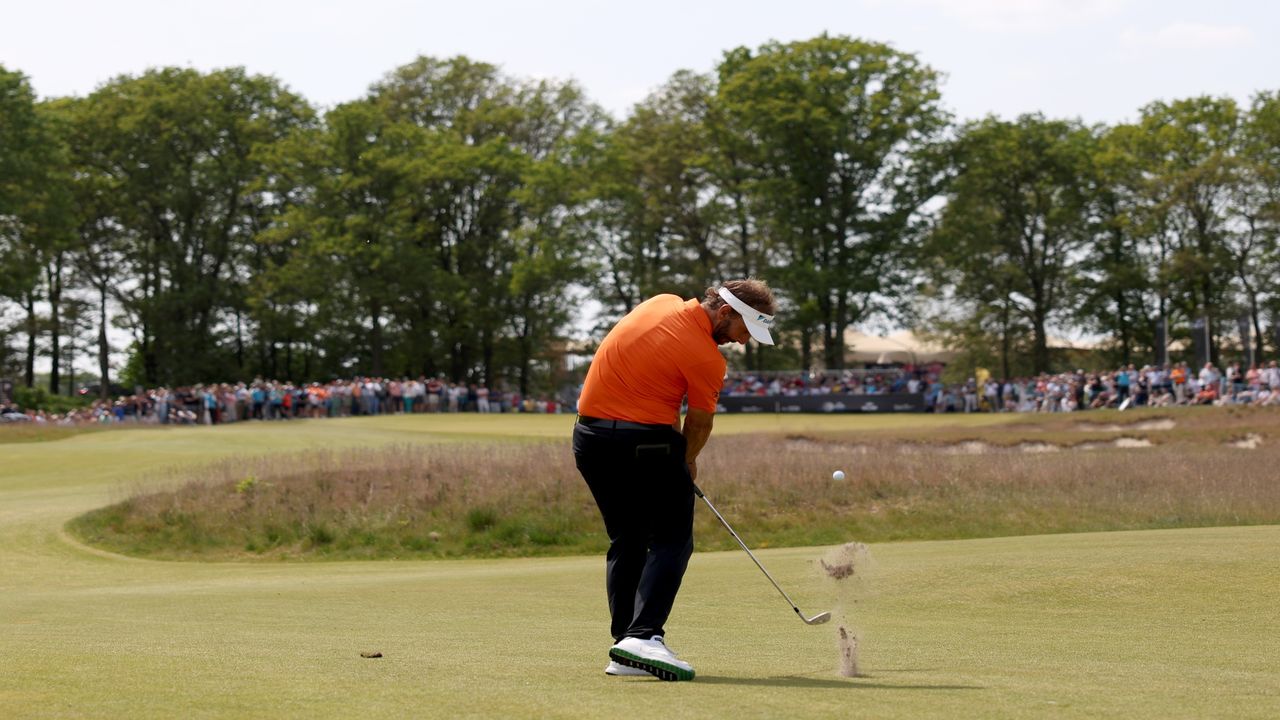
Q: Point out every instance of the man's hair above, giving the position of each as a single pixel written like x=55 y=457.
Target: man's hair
x=750 y=291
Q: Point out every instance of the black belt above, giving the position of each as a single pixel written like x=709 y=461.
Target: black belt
x=618 y=424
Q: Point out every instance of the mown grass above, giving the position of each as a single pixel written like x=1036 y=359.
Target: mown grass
x=28 y=432
x=1107 y=625
x=525 y=498
x=1162 y=624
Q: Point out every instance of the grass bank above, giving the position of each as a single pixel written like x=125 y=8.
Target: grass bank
x=525 y=498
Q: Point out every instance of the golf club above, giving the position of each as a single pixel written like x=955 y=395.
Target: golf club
x=816 y=619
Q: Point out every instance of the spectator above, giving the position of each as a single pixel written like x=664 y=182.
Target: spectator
x=1271 y=376
x=1178 y=377
x=1235 y=378
x=1122 y=385
x=1208 y=393
x=991 y=395
x=970 y=394
x=1209 y=375
x=259 y=396
x=395 y=397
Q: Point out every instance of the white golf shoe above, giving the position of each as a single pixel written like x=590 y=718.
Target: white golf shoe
x=652 y=656
x=614 y=668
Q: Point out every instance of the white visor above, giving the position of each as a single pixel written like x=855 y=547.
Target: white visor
x=757 y=322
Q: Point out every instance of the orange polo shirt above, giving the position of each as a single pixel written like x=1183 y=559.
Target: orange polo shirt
x=655 y=356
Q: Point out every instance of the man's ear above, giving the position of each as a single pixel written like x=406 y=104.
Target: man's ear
x=723 y=312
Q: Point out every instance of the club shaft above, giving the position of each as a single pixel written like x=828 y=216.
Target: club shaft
x=750 y=554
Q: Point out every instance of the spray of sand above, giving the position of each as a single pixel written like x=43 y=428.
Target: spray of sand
x=848 y=568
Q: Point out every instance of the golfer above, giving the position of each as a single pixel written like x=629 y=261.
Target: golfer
x=640 y=463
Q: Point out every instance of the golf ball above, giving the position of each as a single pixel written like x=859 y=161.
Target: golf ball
x=837 y=475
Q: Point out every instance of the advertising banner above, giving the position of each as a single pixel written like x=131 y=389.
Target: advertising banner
x=896 y=402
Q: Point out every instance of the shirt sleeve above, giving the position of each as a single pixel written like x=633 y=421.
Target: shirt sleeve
x=705 y=380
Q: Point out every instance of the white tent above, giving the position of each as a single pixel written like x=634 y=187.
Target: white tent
x=1061 y=343
x=899 y=347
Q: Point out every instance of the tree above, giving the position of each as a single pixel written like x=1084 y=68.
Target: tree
x=748 y=249
x=77 y=322
x=331 y=254
x=479 y=136
x=550 y=242
x=1187 y=150
x=437 y=214
x=54 y=231
x=659 y=226
x=1118 y=275
x=1017 y=222
x=1252 y=238
x=98 y=238
x=840 y=134
x=182 y=151
x=29 y=204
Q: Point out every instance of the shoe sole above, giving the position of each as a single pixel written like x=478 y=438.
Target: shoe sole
x=656 y=668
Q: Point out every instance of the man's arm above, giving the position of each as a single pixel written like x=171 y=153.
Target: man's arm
x=697 y=428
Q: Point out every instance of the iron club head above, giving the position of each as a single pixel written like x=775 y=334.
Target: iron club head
x=816 y=620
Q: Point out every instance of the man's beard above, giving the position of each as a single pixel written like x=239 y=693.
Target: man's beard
x=720 y=333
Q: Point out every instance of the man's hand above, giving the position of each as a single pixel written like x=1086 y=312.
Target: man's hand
x=697 y=428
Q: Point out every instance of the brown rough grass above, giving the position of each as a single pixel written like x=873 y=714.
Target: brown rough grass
x=528 y=499
x=892 y=495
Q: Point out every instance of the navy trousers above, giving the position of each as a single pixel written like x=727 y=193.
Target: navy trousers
x=642 y=486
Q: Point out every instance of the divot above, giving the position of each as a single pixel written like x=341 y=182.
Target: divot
x=839 y=572
x=848 y=566
x=848 y=653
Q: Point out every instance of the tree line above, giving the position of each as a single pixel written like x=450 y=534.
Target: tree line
x=457 y=220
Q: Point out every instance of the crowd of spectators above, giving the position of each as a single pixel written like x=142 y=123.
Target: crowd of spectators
x=1127 y=386
x=215 y=404
x=846 y=382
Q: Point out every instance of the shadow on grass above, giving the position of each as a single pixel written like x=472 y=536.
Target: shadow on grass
x=817 y=683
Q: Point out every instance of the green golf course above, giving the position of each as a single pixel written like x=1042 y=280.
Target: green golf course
x=1159 y=623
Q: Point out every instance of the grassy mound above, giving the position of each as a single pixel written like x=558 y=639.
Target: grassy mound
x=526 y=498
x=482 y=500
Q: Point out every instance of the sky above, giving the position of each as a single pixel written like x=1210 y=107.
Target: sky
x=1097 y=60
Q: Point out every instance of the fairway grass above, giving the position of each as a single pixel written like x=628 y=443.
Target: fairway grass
x=1159 y=624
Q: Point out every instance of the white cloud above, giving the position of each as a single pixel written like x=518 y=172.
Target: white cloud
x=1190 y=36
x=1023 y=15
